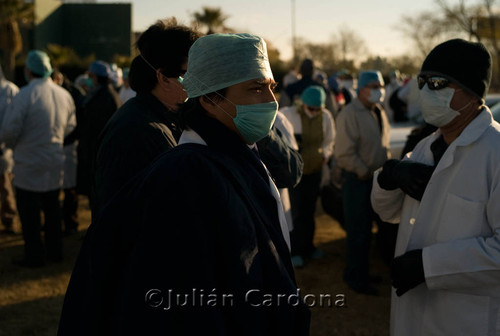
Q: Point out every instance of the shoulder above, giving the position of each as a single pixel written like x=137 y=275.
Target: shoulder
x=189 y=164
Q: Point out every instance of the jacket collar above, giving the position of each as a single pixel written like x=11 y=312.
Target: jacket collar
x=469 y=135
x=476 y=128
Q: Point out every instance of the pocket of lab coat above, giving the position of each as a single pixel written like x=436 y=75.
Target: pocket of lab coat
x=460 y=219
x=450 y=313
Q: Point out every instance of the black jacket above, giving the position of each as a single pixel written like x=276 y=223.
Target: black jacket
x=97 y=110
x=141 y=130
x=201 y=219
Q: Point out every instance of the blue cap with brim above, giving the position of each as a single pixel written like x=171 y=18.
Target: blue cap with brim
x=314 y=96
x=38 y=62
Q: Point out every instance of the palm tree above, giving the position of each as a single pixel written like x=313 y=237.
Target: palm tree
x=12 y=12
x=212 y=18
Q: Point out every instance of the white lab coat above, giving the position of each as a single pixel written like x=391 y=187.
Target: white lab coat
x=457 y=224
x=34 y=126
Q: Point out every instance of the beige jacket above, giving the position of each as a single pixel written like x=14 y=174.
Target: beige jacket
x=360 y=146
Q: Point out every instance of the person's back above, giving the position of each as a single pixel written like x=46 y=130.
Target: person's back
x=146 y=126
x=37 y=139
x=99 y=106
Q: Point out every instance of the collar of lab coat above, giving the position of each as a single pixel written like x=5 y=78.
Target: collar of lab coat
x=470 y=134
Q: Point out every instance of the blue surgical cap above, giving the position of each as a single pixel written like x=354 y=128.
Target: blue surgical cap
x=38 y=62
x=218 y=61
x=314 y=96
x=100 y=69
x=368 y=77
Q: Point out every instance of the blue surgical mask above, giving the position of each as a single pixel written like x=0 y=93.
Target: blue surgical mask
x=90 y=83
x=255 y=121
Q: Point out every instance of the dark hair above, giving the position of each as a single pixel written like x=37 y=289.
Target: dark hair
x=165 y=46
x=307 y=68
x=192 y=109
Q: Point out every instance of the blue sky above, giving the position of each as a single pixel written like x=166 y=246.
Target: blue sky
x=376 y=21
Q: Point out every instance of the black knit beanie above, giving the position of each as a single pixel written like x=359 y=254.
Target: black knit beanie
x=466 y=63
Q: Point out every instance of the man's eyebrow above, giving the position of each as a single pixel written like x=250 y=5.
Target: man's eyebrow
x=265 y=82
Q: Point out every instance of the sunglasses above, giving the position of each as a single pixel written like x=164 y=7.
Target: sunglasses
x=433 y=83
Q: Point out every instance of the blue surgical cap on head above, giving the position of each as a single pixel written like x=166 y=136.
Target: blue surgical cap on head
x=100 y=69
x=218 y=61
x=38 y=62
x=314 y=96
x=368 y=77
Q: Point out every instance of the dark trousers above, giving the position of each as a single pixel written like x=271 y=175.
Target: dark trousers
x=30 y=204
x=358 y=225
x=70 y=210
x=303 y=200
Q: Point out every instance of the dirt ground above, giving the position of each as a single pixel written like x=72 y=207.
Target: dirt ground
x=31 y=299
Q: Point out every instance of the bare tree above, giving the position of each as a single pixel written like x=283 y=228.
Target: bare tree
x=350 y=44
x=426 y=30
x=324 y=55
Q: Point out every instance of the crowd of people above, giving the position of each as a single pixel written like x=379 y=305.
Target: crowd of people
x=202 y=186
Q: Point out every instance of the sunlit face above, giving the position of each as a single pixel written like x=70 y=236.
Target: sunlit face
x=313 y=111
x=254 y=91
x=364 y=92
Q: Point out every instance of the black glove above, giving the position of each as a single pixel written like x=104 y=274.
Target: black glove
x=407 y=271
x=412 y=177
x=386 y=178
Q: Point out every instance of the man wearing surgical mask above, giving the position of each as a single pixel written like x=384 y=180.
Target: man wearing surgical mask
x=446 y=196
x=315 y=132
x=203 y=221
x=361 y=147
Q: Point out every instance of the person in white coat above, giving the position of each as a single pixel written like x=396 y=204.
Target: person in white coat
x=315 y=133
x=446 y=195
x=34 y=126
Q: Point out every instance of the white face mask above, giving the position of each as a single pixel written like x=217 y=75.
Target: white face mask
x=376 y=95
x=435 y=106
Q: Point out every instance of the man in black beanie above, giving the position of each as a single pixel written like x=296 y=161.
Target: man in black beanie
x=446 y=195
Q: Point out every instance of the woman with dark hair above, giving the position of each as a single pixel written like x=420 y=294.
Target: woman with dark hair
x=147 y=125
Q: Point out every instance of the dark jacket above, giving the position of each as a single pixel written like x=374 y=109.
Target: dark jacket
x=97 y=110
x=201 y=219
x=142 y=129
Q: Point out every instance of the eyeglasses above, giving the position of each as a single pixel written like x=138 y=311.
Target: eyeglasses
x=433 y=83
x=314 y=109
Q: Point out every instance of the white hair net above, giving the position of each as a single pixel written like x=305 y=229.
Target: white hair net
x=220 y=60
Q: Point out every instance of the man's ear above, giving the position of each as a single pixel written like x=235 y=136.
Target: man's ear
x=163 y=81
x=208 y=105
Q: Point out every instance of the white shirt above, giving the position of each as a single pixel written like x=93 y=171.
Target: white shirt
x=34 y=126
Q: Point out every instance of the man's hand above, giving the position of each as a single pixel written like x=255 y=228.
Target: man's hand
x=407 y=271
x=410 y=176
